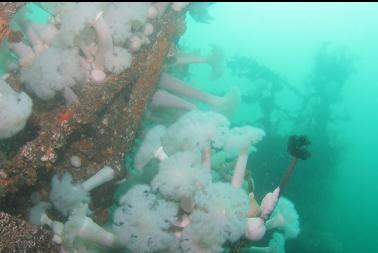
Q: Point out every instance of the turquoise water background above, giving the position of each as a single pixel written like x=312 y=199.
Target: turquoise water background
x=285 y=37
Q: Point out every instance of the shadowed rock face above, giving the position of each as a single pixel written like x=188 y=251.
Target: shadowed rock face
x=18 y=236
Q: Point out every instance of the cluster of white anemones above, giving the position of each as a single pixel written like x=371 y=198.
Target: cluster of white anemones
x=82 y=42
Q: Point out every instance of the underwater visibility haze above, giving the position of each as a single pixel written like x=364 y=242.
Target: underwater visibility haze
x=188 y=127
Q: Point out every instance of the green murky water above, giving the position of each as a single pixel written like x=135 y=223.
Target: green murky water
x=302 y=68
x=335 y=191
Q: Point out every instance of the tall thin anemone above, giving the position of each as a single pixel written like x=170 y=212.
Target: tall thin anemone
x=297 y=148
x=225 y=105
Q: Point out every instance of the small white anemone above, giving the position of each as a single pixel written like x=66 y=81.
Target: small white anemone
x=15 y=109
x=79 y=226
x=66 y=196
x=151 y=147
x=181 y=175
x=285 y=218
x=196 y=131
x=142 y=221
x=221 y=212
